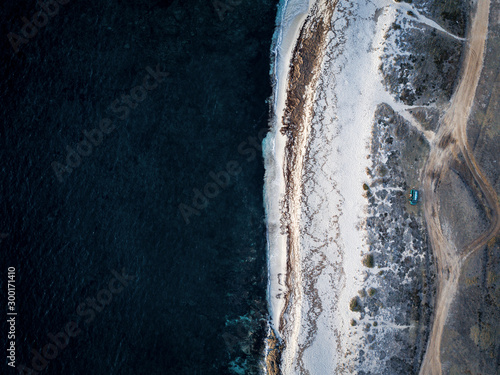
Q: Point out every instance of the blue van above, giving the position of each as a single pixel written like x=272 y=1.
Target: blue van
x=413 y=197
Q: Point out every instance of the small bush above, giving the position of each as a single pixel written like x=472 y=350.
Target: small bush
x=382 y=171
x=368 y=261
x=372 y=291
x=354 y=305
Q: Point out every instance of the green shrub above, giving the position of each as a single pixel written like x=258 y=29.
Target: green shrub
x=354 y=305
x=368 y=261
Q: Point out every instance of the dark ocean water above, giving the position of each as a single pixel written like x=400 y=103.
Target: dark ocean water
x=194 y=299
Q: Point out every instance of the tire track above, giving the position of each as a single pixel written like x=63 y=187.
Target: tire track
x=449 y=141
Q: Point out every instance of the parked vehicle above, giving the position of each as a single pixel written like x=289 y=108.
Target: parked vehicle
x=413 y=197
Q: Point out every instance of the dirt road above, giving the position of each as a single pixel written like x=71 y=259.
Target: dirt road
x=451 y=140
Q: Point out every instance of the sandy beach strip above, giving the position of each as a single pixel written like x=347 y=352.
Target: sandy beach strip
x=291 y=17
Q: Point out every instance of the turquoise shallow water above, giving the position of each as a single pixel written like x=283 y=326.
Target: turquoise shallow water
x=195 y=302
